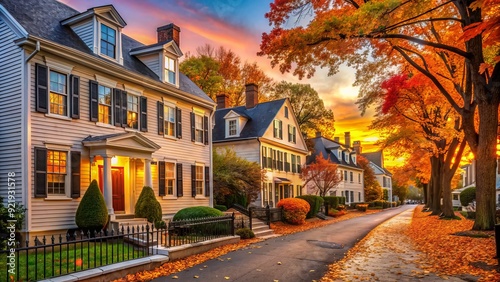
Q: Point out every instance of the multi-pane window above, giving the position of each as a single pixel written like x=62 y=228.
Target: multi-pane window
x=280 y=160
x=108 y=41
x=198 y=123
x=278 y=129
x=351 y=175
x=292 y=134
x=345 y=175
x=169 y=70
x=56 y=172
x=104 y=104
x=270 y=158
x=294 y=164
x=170 y=178
x=286 y=111
x=133 y=111
x=383 y=181
x=169 y=121
x=199 y=180
x=58 y=93
x=264 y=157
x=232 y=127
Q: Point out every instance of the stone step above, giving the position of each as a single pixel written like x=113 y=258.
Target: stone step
x=263 y=233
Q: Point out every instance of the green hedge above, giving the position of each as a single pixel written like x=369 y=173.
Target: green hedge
x=220 y=207
x=341 y=200
x=353 y=205
x=467 y=196
x=196 y=212
x=315 y=202
x=332 y=201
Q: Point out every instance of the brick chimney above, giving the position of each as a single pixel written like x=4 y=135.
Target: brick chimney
x=336 y=139
x=347 y=139
x=318 y=134
x=222 y=101
x=357 y=147
x=252 y=95
x=169 y=32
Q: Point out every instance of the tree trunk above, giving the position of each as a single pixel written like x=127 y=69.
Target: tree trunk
x=486 y=166
x=447 y=200
x=436 y=186
x=425 y=190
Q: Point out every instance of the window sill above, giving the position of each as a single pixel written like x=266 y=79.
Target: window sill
x=173 y=138
x=58 y=198
x=199 y=144
x=200 y=197
x=56 y=116
x=105 y=125
x=169 y=197
x=128 y=129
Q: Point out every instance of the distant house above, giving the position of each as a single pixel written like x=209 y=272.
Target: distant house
x=469 y=177
x=80 y=100
x=268 y=134
x=351 y=186
x=384 y=177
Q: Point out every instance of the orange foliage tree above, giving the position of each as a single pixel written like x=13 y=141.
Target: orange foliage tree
x=372 y=188
x=322 y=175
x=428 y=35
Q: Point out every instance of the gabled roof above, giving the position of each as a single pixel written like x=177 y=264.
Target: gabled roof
x=106 y=11
x=379 y=170
x=324 y=146
x=375 y=157
x=42 y=18
x=259 y=118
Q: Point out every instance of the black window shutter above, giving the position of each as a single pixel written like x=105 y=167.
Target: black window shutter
x=74 y=96
x=75 y=174
x=193 y=129
x=289 y=133
x=207 y=181
x=193 y=180
x=274 y=129
x=161 y=123
x=144 y=114
x=264 y=158
x=294 y=134
x=124 y=108
x=94 y=100
x=281 y=129
x=178 y=119
x=180 y=192
x=161 y=178
x=117 y=105
x=205 y=129
x=42 y=89
x=40 y=172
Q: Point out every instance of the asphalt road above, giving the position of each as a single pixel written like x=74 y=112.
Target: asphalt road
x=302 y=256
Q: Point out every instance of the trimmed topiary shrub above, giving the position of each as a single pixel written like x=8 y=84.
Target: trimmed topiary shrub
x=332 y=201
x=245 y=233
x=467 y=196
x=220 y=207
x=294 y=210
x=147 y=206
x=92 y=213
x=196 y=212
x=314 y=201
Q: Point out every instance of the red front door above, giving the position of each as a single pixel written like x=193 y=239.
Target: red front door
x=118 y=187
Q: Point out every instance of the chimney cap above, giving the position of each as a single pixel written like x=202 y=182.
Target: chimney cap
x=169 y=26
x=318 y=134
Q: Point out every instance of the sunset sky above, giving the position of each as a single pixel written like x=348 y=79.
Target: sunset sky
x=238 y=25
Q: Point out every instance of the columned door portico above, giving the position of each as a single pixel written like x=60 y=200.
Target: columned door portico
x=128 y=145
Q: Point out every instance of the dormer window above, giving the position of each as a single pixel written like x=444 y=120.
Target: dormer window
x=346 y=157
x=170 y=70
x=232 y=127
x=108 y=41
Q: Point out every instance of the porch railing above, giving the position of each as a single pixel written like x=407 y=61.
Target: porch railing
x=197 y=230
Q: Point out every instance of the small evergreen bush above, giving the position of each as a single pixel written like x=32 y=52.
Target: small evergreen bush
x=378 y=203
x=220 y=207
x=147 y=206
x=386 y=204
x=315 y=202
x=92 y=213
x=467 y=196
x=362 y=207
x=245 y=233
x=294 y=210
x=196 y=212
x=336 y=213
x=332 y=201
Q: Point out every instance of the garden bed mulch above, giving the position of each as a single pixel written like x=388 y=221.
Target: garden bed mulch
x=279 y=229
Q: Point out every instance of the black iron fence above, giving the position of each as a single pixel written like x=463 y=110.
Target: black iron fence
x=59 y=255
x=52 y=256
x=266 y=214
x=198 y=230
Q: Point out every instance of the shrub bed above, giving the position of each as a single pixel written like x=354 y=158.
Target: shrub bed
x=336 y=213
x=220 y=207
x=196 y=212
x=332 y=201
x=362 y=207
x=92 y=213
x=245 y=233
x=315 y=202
x=294 y=210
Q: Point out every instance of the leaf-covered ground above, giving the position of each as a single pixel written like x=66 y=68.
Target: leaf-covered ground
x=279 y=229
x=418 y=247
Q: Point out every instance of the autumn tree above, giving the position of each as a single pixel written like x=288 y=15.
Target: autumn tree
x=234 y=175
x=322 y=175
x=372 y=188
x=311 y=114
x=429 y=35
x=221 y=71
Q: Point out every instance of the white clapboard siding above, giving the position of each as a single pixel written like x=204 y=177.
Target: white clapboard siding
x=73 y=131
x=85 y=31
x=152 y=62
x=11 y=68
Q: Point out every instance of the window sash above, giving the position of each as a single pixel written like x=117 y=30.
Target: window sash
x=108 y=41
x=133 y=111
x=198 y=128
x=170 y=178
x=104 y=100
x=169 y=117
x=58 y=97
x=170 y=70
x=57 y=168
x=199 y=178
x=232 y=128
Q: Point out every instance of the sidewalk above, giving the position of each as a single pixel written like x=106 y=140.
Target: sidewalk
x=385 y=254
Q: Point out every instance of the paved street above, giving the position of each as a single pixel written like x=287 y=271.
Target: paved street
x=303 y=256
